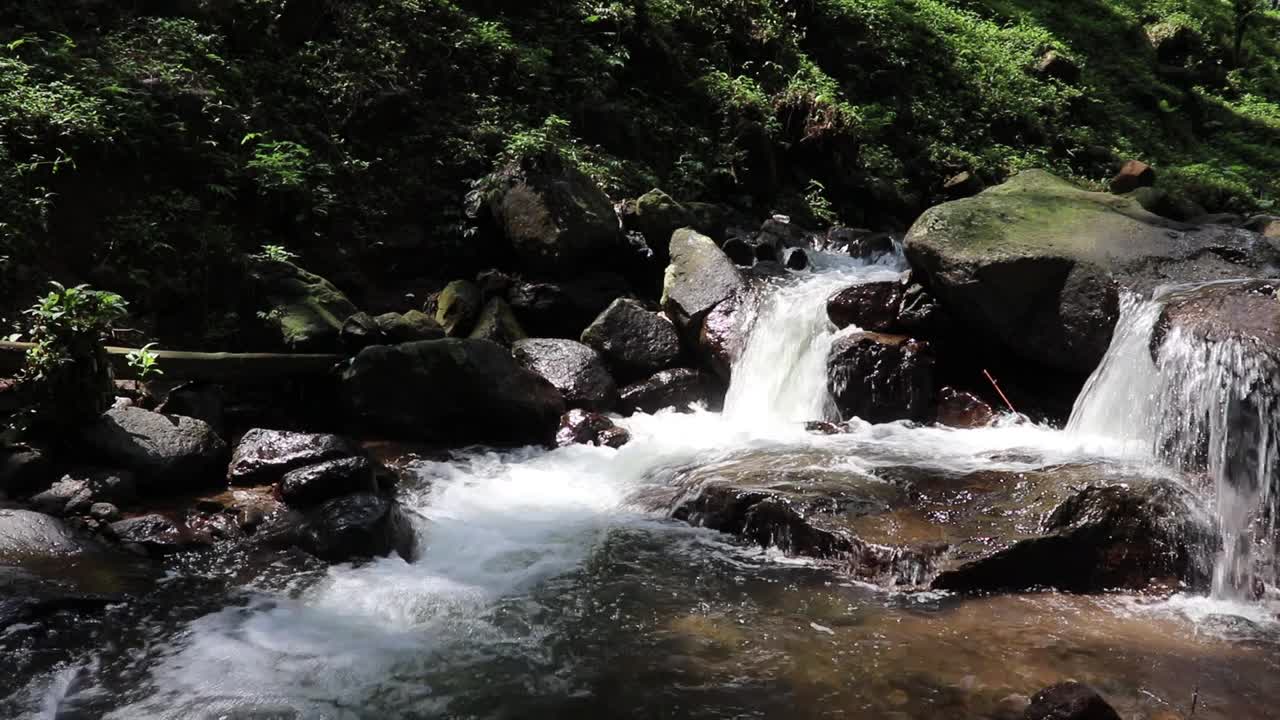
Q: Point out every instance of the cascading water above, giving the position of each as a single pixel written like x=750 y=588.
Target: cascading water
x=1204 y=408
x=781 y=376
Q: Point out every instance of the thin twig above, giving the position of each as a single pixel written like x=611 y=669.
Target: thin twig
x=996 y=385
x=1195 y=700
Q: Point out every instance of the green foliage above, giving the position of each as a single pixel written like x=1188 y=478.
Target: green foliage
x=819 y=206
x=67 y=378
x=276 y=253
x=144 y=362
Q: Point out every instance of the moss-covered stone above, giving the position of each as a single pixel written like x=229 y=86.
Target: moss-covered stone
x=458 y=307
x=307 y=310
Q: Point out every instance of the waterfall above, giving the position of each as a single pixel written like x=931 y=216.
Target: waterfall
x=1205 y=409
x=781 y=376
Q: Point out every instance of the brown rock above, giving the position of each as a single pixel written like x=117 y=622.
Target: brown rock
x=881 y=378
x=870 y=306
x=1133 y=175
x=957 y=408
x=962 y=185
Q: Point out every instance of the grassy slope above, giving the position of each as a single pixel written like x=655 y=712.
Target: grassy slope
x=152 y=149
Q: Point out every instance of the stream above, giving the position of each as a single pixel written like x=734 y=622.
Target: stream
x=555 y=584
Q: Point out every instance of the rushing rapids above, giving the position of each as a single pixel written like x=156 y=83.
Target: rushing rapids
x=555 y=584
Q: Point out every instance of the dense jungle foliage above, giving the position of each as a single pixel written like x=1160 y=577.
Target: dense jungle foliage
x=148 y=147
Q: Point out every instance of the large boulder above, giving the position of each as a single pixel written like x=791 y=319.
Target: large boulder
x=725 y=332
x=881 y=378
x=451 y=390
x=27 y=536
x=564 y=309
x=699 y=277
x=263 y=456
x=677 y=388
x=575 y=369
x=634 y=341
x=1246 y=313
x=410 y=326
x=167 y=453
x=1035 y=266
x=305 y=309
x=1136 y=535
x=557 y=220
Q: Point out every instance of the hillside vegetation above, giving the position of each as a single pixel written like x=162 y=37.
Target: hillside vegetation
x=147 y=146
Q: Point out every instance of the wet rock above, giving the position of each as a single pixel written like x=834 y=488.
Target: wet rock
x=306 y=310
x=1033 y=268
x=556 y=219
x=725 y=332
x=963 y=185
x=457 y=308
x=167 y=453
x=573 y=368
x=152 y=533
x=263 y=456
x=454 y=390
x=498 y=324
x=563 y=310
x=634 y=342
x=1069 y=701
x=314 y=484
x=822 y=427
x=870 y=306
x=1244 y=312
x=795 y=259
x=957 y=408
x=24 y=469
x=677 y=388
x=766 y=249
x=415 y=325
x=1135 y=536
x=357 y=526
x=919 y=313
x=104 y=512
x=580 y=427
x=27 y=535
x=881 y=378
x=873 y=246
x=199 y=400
x=739 y=251
x=699 y=277
x=779 y=232
x=29 y=597
x=76 y=494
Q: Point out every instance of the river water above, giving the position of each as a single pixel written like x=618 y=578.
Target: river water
x=553 y=584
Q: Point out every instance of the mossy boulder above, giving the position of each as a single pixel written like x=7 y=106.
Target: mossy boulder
x=458 y=307
x=1036 y=265
x=656 y=215
x=699 y=277
x=305 y=309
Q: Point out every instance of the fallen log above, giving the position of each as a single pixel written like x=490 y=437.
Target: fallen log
x=207 y=367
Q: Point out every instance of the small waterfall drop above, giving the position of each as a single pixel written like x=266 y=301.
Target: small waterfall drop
x=781 y=375
x=1205 y=409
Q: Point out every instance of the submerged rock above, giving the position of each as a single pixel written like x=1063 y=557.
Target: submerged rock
x=264 y=456
x=677 y=388
x=1069 y=701
x=167 y=453
x=881 y=378
x=580 y=427
x=451 y=390
x=1133 y=536
x=1034 y=266
x=357 y=526
x=573 y=368
x=957 y=408
x=634 y=342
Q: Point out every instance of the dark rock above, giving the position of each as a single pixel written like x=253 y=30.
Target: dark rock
x=1032 y=269
x=1265 y=225
x=1054 y=64
x=167 y=453
x=573 y=368
x=314 y=484
x=963 y=185
x=263 y=456
x=873 y=246
x=459 y=390
x=556 y=219
x=416 y=325
x=1069 y=701
x=795 y=259
x=580 y=427
x=656 y=216
x=498 y=324
x=494 y=284
x=104 y=512
x=24 y=469
x=767 y=250
x=305 y=309
x=1246 y=312
x=199 y=400
x=357 y=526
x=563 y=310
x=26 y=535
x=779 y=232
x=870 y=306
x=677 y=388
x=957 y=408
x=881 y=378
x=1173 y=43
x=1228 y=219
x=359 y=332
x=739 y=251
x=840 y=239
x=457 y=308
x=822 y=427
x=699 y=277
x=634 y=342
x=76 y=494
x=1133 y=174
x=725 y=332
x=153 y=533
x=919 y=313
x=1135 y=536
